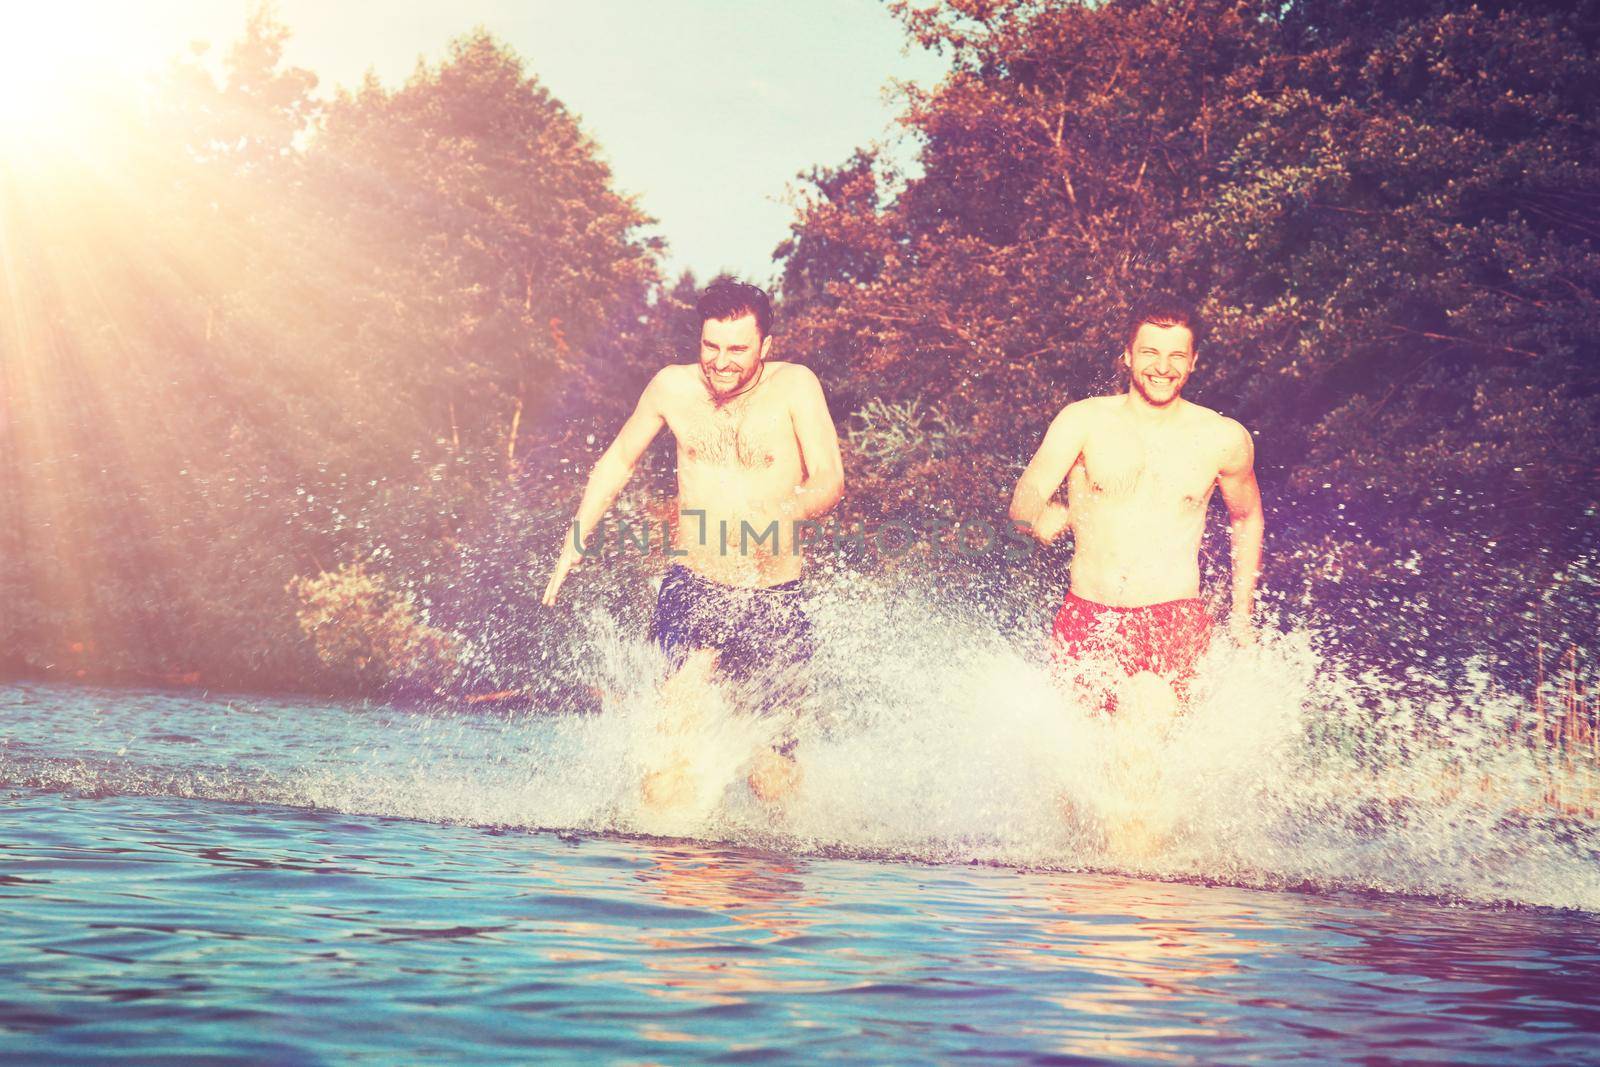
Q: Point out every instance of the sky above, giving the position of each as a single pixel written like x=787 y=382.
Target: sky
x=707 y=110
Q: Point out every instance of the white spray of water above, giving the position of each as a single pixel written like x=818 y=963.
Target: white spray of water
x=929 y=736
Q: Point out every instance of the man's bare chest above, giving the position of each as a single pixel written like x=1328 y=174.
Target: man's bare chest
x=1166 y=471
x=753 y=438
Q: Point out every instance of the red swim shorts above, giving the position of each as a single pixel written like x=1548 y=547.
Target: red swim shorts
x=1165 y=639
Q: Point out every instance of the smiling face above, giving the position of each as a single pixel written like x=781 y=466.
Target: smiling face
x=731 y=352
x=1159 y=361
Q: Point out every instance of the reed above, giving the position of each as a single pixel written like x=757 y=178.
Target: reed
x=1567 y=733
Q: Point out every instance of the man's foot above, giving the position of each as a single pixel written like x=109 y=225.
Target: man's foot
x=773 y=777
x=668 y=787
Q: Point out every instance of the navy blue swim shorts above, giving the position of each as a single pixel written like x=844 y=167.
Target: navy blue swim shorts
x=761 y=635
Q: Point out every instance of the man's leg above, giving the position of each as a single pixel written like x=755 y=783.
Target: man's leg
x=1081 y=653
x=1160 y=647
x=1163 y=645
x=683 y=695
x=1147 y=701
x=773 y=652
x=676 y=628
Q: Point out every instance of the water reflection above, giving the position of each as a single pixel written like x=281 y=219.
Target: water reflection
x=1157 y=941
x=749 y=904
x=1155 y=958
x=671 y=951
x=1525 y=970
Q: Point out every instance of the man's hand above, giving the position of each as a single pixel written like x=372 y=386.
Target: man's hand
x=1243 y=631
x=1033 y=504
x=611 y=473
x=1048 y=525
x=570 y=558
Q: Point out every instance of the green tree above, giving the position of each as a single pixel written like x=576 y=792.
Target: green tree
x=258 y=338
x=505 y=253
x=1387 y=213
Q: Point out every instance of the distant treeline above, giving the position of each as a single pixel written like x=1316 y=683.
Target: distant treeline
x=299 y=393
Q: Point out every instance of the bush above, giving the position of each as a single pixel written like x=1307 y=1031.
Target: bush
x=373 y=636
x=891 y=434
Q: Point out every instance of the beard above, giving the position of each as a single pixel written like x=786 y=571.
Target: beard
x=722 y=392
x=1153 y=400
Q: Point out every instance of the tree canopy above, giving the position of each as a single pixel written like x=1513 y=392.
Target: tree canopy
x=1387 y=215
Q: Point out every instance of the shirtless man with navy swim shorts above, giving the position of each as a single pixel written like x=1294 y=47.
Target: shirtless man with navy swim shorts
x=757 y=457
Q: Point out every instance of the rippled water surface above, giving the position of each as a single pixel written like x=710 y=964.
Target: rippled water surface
x=235 y=881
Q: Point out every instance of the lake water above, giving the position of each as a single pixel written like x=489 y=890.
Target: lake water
x=195 y=879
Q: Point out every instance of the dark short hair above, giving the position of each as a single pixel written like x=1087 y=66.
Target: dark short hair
x=726 y=299
x=1160 y=309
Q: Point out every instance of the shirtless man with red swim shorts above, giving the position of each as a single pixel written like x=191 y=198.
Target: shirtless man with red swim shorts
x=1139 y=468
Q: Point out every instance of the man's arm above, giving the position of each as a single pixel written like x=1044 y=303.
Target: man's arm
x=1246 y=524
x=1033 y=505
x=610 y=475
x=819 y=448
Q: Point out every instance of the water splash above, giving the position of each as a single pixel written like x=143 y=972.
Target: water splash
x=929 y=736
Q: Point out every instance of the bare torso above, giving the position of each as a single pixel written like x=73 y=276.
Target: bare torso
x=737 y=464
x=1136 y=502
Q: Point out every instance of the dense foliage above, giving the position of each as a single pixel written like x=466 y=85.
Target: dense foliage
x=251 y=337
x=1388 y=214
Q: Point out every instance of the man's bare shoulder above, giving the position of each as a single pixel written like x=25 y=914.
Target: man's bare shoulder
x=1209 y=420
x=1232 y=429
x=1083 y=416
x=672 y=392
x=796 y=382
x=1089 y=407
x=792 y=375
x=676 y=376
x=1074 y=425
x=675 y=381
x=1232 y=441
x=1220 y=425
